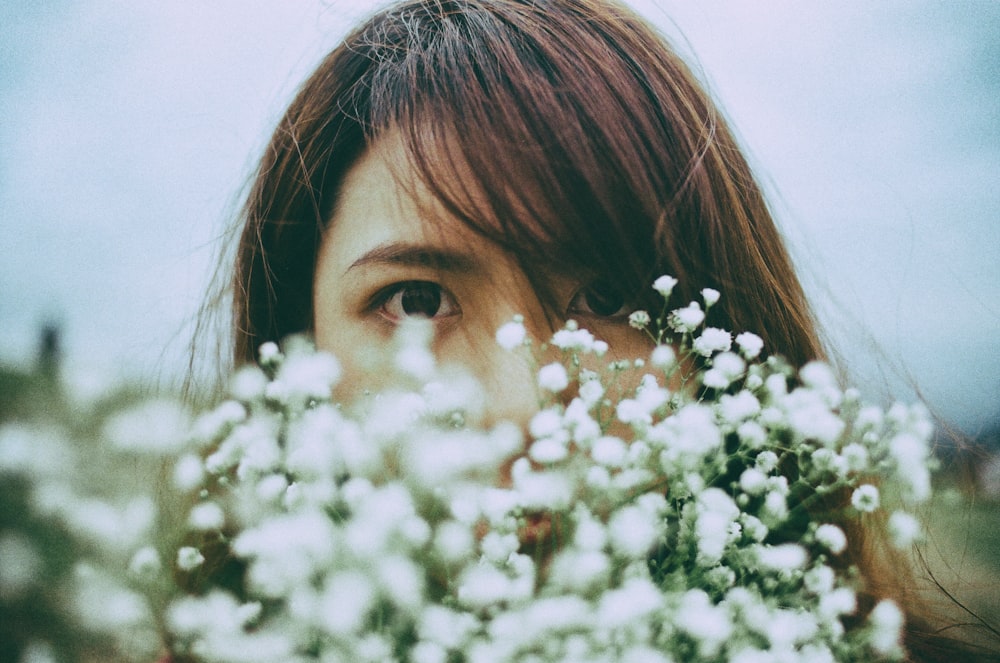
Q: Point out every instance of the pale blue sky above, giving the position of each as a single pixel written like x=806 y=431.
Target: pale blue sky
x=127 y=130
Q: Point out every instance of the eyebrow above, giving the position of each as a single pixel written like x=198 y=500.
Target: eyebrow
x=417 y=255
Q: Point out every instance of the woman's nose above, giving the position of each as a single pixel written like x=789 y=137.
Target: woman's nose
x=508 y=377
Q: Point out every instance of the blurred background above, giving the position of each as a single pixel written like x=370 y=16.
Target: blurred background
x=128 y=129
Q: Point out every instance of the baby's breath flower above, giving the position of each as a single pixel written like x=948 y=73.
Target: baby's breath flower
x=782 y=557
x=819 y=580
x=832 y=538
x=639 y=319
x=687 y=319
x=712 y=340
x=664 y=285
x=609 y=451
x=248 y=384
x=708 y=624
x=591 y=392
x=710 y=296
x=189 y=558
x=865 y=498
x=735 y=408
x=840 y=601
x=904 y=529
x=855 y=457
x=269 y=354
x=511 y=334
x=752 y=434
x=553 y=377
x=753 y=481
x=545 y=423
x=886 y=620
x=750 y=344
x=573 y=338
x=663 y=357
x=145 y=563
x=207 y=516
x=188 y=472
x=633 y=531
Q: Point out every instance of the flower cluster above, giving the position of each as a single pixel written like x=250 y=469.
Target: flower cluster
x=703 y=515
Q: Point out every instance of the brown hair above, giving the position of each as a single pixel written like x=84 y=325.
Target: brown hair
x=566 y=131
x=590 y=141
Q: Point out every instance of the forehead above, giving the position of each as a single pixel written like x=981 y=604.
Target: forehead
x=382 y=199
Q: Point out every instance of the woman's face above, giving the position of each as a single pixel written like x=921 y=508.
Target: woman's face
x=391 y=252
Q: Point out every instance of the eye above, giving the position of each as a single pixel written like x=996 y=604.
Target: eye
x=416 y=299
x=599 y=299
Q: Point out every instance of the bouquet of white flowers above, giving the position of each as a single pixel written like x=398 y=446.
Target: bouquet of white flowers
x=693 y=505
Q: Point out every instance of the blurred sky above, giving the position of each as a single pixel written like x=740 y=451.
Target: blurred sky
x=128 y=128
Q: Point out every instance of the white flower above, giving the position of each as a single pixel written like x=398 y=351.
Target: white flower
x=782 y=557
x=832 y=538
x=511 y=334
x=580 y=570
x=865 y=498
x=663 y=357
x=636 y=599
x=686 y=319
x=767 y=461
x=548 y=450
x=189 y=471
x=708 y=624
x=904 y=529
x=573 y=338
x=307 y=377
x=819 y=580
x=591 y=392
x=483 y=585
x=753 y=481
x=639 y=319
x=855 y=457
x=840 y=601
x=553 y=377
x=632 y=411
x=545 y=423
x=664 y=285
x=207 y=516
x=145 y=563
x=248 y=384
x=453 y=541
x=710 y=296
x=735 y=408
x=609 y=451
x=750 y=344
x=345 y=601
x=712 y=340
x=633 y=531
x=269 y=354
x=886 y=621
x=730 y=364
x=22 y=565
x=189 y=558
x=716 y=512
x=809 y=415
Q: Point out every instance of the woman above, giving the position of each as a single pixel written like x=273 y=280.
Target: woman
x=468 y=160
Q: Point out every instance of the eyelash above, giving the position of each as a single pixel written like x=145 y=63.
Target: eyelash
x=385 y=297
x=579 y=305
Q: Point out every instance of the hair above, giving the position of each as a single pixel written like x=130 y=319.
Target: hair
x=564 y=131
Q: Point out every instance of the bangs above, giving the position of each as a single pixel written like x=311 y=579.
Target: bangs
x=506 y=125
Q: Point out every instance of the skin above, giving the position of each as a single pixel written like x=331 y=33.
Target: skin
x=389 y=243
